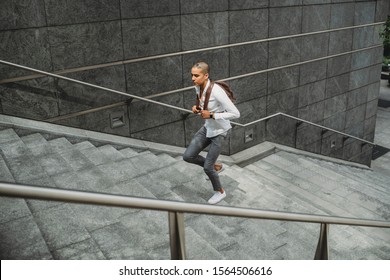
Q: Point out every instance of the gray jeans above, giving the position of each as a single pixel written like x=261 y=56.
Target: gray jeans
x=198 y=144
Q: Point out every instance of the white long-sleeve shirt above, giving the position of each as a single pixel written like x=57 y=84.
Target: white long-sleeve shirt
x=223 y=108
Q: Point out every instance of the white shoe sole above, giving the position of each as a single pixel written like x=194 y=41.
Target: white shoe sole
x=220 y=198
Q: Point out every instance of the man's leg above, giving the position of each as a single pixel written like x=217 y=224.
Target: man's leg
x=209 y=168
x=198 y=143
x=210 y=162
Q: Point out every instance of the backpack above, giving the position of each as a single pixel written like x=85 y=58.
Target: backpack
x=223 y=85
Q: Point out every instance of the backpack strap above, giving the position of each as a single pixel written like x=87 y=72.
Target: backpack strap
x=198 y=102
x=208 y=93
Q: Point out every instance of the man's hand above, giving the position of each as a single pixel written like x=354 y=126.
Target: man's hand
x=195 y=110
x=205 y=114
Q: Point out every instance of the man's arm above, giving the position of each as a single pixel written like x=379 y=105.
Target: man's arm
x=230 y=110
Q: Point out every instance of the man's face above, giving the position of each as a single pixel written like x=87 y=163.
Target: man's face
x=198 y=78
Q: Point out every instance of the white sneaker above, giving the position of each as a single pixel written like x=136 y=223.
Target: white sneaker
x=217 y=197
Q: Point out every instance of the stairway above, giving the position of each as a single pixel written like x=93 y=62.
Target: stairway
x=283 y=181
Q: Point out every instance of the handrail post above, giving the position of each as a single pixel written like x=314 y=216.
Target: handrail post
x=176 y=235
x=322 y=252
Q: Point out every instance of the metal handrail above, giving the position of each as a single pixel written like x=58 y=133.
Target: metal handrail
x=142 y=59
x=146 y=99
x=176 y=209
x=65 y=195
x=92 y=85
x=310 y=123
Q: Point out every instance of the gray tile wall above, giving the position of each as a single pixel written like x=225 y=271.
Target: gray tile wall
x=339 y=92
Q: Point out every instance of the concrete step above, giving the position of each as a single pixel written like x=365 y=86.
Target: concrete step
x=50 y=160
x=214 y=235
x=116 y=242
x=92 y=153
x=292 y=168
x=97 y=176
x=128 y=152
x=382 y=165
x=278 y=238
x=74 y=159
x=61 y=144
x=309 y=189
x=344 y=191
x=248 y=238
x=279 y=182
x=26 y=241
x=197 y=248
x=346 y=173
x=18 y=158
x=296 y=240
x=111 y=153
x=292 y=197
x=37 y=144
x=5 y=173
x=375 y=180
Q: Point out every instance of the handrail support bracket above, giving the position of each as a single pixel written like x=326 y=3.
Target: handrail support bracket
x=176 y=235
x=322 y=252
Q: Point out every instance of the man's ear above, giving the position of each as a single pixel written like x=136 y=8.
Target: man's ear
x=206 y=75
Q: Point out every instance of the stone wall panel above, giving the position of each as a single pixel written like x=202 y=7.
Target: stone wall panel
x=170 y=134
x=254 y=22
x=141 y=39
x=28 y=47
x=85 y=44
x=22 y=14
x=156 y=76
x=315 y=17
x=149 y=8
x=144 y=115
x=248 y=4
x=340 y=92
x=204 y=30
x=311 y=93
x=284 y=52
x=203 y=6
x=285 y=21
x=248 y=59
x=76 y=11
